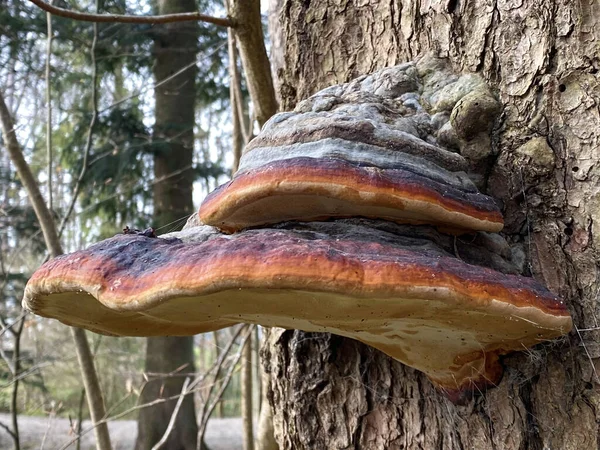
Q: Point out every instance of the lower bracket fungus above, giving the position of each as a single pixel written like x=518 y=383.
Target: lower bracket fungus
x=397 y=288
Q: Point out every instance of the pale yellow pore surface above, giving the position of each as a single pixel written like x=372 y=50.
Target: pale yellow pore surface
x=447 y=341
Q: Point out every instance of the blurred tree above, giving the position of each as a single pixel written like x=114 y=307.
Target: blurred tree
x=168 y=359
x=117 y=188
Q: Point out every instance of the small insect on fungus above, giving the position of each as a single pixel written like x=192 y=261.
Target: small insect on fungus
x=148 y=232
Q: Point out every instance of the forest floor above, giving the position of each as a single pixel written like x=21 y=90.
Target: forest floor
x=221 y=434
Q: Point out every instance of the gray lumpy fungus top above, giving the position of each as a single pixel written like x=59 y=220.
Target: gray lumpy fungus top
x=416 y=113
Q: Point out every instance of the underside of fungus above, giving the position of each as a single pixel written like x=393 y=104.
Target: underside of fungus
x=397 y=288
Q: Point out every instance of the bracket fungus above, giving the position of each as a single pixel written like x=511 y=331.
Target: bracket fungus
x=395 y=288
x=366 y=148
x=397 y=280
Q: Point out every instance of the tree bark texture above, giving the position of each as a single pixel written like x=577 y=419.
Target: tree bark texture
x=175 y=47
x=542 y=59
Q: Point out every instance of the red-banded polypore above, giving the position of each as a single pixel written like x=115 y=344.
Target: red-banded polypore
x=394 y=146
x=395 y=288
x=367 y=148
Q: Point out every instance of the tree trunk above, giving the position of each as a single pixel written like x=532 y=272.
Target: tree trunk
x=249 y=36
x=542 y=58
x=265 y=438
x=175 y=47
x=236 y=101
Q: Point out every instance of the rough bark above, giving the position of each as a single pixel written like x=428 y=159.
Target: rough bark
x=175 y=47
x=542 y=58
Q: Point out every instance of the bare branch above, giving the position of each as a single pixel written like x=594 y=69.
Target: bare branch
x=249 y=33
x=16 y=333
x=120 y=415
x=99 y=18
x=236 y=102
x=7 y=429
x=226 y=380
x=594 y=371
x=218 y=365
x=49 y=109
x=167 y=79
x=28 y=180
x=25 y=374
x=8 y=327
x=51 y=416
x=165 y=436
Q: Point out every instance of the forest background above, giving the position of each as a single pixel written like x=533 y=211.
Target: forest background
x=83 y=100
x=542 y=59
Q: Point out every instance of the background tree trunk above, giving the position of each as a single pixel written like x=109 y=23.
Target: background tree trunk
x=175 y=47
x=543 y=60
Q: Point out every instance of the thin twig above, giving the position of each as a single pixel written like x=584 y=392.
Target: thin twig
x=95 y=115
x=16 y=335
x=110 y=197
x=25 y=374
x=15 y=390
x=589 y=356
x=165 y=436
x=49 y=108
x=80 y=416
x=226 y=381
x=90 y=133
x=51 y=417
x=7 y=429
x=29 y=182
x=191 y=389
x=121 y=18
x=139 y=188
x=6 y=327
x=120 y=415
x=218 y=365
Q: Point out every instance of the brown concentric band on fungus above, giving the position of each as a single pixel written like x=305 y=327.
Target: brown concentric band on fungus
x=313 y=189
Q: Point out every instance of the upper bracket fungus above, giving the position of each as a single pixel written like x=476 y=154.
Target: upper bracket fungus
x=366 y=148
x=408 y=283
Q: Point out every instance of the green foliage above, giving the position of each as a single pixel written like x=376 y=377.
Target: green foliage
x=111 y=188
